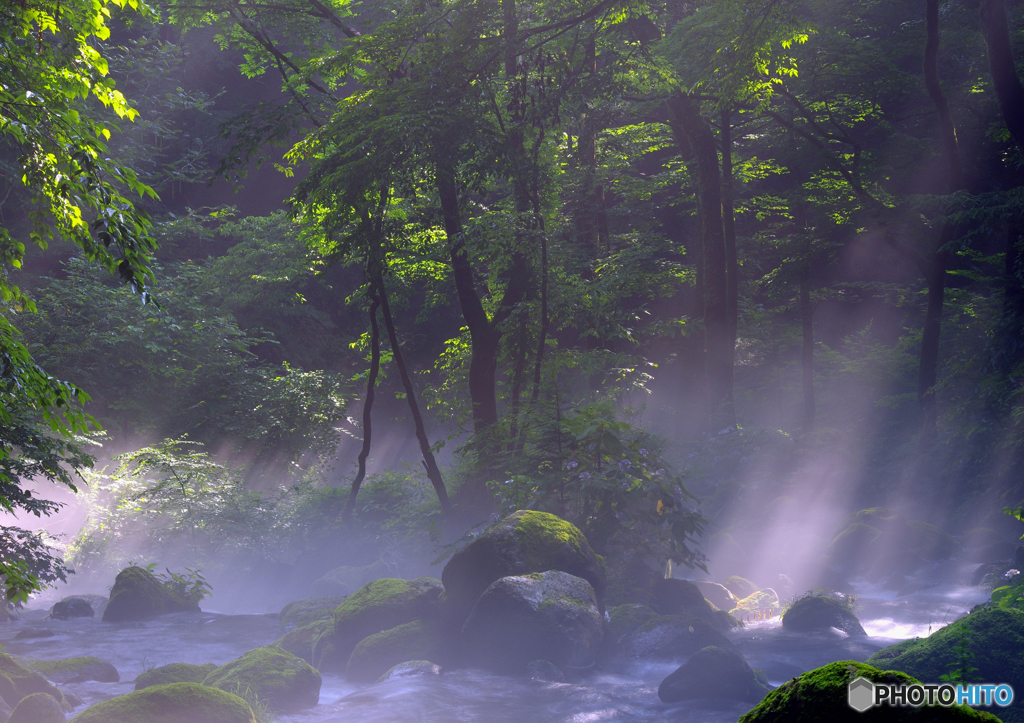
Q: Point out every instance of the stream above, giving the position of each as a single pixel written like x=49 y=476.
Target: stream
x=626 y=693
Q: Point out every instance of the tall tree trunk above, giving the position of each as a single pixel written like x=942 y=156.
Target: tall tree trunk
x=371 y=386
x=1009 y=91
x=719 y=347
x=592 y=216
x=729 y=229
x=807 y=348
x=433 y=473
x=935 y=271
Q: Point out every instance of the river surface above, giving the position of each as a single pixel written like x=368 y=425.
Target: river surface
x=626 y=693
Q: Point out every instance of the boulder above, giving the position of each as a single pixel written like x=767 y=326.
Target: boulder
x=380 y=605
x=525 y=542
x=821 y=612
x=74 y=670
x=343 y=581
x=300 y=613
x=72 y=607
x=993 y=639
x=17 y=681
x=880 y=541
x=378 y=653
x=137 y=595
x=715 y=673
x=34 y=634
x=171 y=703
x=822 y=695
x=718 y=595
x=37 y=708
x=278 y=678
x=680 y=597
x=670 y=637
x=625 y=619
x=544 y=615
x=173 y=673
x=300 y=641
x=739 y=586
x=411 y=669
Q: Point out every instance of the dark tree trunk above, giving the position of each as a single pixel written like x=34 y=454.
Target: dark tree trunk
x=1009 y=91
x=719 y=346
x=807 y=348
x=433 y=473
x=592 y=217
x=729 y=229
x=371 y=385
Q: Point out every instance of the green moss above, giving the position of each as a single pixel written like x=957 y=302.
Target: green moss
x=172 y=703
x=17 y=681
x=73 y=670
x=283 y=680
x=759 y=600
x=300 y=642
x=174 y=673
x=300 y=613
x=821 y=695
x=625 y=619
x=378 y=653
x=137 y=594
x=883 y=657
x=536 y=531
x=376 y=594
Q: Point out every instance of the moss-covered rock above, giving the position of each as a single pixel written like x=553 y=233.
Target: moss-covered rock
x=879 y=542
x=17 y=681
x=821 y=612
x=741 y=587
x=378 y=653
x=712 y=673
x=174 y=673
x=5 y=711
x=37 y=708
x=74 y=670
x=380 y=605
x=822 y=695
x=172 y=703
x=718 y=595
x=526 y=541
x=300 y=642
x=344 y=581
x=301 y=613
x=994 y=638
x=670 y=637
x=760 y=601
x=548 y=615
x=275 y=676
x=681 y=597
x=137 y=595
x=630 y=581
x=625 y=619
x=74 y=607
x=411 y=669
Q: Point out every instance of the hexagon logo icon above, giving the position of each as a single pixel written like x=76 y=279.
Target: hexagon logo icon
x=861 y=694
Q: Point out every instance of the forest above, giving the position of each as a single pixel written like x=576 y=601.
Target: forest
x=565 y=360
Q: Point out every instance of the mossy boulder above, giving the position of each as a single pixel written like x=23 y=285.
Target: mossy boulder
x=173 y=673
x=309 y=610
x=74 y=607
x=17 y=681
x=284 y=681
x=344 y=580
x=814 y=613
x=670 y=637
x=524 y=542
x=741 y=587
x=993 y=637
x=879 y=542
x=625 y=619
x=718 y=595
x=681 y=597
x=544 y=615
x=137 y=594
x=712 y=673
x=171 y=703
x=300 y=641
x=74 y=670
x=411 y=669
x=37 y=708
x=378 y=653
x=380 y=605
x=822 y=695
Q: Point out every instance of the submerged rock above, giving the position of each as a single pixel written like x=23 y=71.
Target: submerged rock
x=715 y=673
x=37 y=708
x=309 y=610
x=671 y=637
x=174 y=703
x=174 y=673
x=525 y=542
x=547 y=615
x=821 y=612
x=72 y=607
x=411 y=669
x=275 y=676
x=378 y=653
x=378 y=606
x=343 y=581
x=75 y=670
x=822 y=695
x=137 y=594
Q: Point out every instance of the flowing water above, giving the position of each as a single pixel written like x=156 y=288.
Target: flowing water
x=627 y=693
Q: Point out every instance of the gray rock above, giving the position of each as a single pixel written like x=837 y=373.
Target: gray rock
x=713 y=673
x=411 y=669
x=37 y=708
x=301 y=613
x=544 y=671
x=819 y=613
x=551 y=616
x=718 y=595
x=72 y=607
x=137 y=595
x=669 y=637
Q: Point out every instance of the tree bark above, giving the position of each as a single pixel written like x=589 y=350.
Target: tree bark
x=433 y=473
x=729 y=230
x=371 y=385
x=807 y=348
x=719 y=347
x=1009 y=91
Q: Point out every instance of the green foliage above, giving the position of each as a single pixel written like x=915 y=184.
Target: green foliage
x=961 y=671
